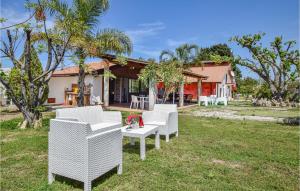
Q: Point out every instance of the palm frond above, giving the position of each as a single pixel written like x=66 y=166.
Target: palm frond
x=165 y=55
x=112 y=41
x=59 y=8
x=88 y=11
x=185 y=53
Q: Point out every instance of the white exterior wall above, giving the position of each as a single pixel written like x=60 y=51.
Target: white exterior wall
x=97 y=87
x=57 y=86
x=223 y=89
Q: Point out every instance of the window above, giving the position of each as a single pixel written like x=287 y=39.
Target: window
x=133 y=86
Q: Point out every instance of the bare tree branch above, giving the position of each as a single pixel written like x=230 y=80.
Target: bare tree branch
x=30 y=17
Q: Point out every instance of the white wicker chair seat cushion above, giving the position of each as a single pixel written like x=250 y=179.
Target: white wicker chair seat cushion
x=159 y=123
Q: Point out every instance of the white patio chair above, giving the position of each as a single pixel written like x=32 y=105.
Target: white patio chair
x=203 y=99
x=84 y=143
x=134 y=102
x=96 y=100
x=143 y=102
x=212 y=99
x=221 y=100
x=165 y=116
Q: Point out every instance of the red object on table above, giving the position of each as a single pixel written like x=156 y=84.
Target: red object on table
x=131 y=117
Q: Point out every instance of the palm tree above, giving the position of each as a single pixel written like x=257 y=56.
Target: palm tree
x=97 y=45
x=88 y=44
x=184 y=55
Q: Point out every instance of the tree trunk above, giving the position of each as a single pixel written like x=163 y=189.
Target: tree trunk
x=31 y=119
x=174 y=97
x=81 y=77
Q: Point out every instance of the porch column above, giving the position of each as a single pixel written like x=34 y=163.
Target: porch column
x=121 y=89
x=152 y=97
x=106 y=90
x=181 y=92
x=199 y=85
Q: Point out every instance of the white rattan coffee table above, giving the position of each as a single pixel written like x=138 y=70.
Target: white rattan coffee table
x=142 y=133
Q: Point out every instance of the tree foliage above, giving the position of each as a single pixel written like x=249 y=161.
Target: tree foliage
x=15 y=78
x=169 y=72
x=218 y=49
x=181 y=58
x=277 y=65
x=27 y=83
x=247 y=86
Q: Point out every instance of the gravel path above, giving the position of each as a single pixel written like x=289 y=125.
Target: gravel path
x=228 y=114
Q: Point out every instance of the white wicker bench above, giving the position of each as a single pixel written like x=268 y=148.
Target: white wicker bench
x=84 y=143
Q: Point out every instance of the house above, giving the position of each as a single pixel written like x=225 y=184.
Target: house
x=220 y=80
x=63 y=84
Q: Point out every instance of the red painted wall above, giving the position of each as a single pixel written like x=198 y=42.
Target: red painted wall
x=208 y=88
x=191 y=88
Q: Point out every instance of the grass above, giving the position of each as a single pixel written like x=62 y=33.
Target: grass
x=209 y=154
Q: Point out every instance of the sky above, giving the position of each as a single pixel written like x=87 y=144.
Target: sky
x=157 y=25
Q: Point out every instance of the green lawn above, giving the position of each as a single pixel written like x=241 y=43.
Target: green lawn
x=209 y=154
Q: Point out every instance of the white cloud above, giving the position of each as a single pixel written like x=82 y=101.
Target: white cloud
x=145 y=30
x=144 y=33
x=151 y=53
x=153 y=24
x=175 y=43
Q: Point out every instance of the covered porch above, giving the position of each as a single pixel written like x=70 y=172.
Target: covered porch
x=118 y=92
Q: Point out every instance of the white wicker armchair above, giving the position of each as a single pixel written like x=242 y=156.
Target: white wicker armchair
x=84 y=143
x=165 y=116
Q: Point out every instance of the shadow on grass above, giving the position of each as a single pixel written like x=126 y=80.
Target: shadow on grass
x=294 y=121
x=135 y=149
x=80 y=185
x=149 y=146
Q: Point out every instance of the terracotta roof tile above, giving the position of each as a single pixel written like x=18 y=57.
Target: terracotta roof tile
x=215 y=72
x=73 y=70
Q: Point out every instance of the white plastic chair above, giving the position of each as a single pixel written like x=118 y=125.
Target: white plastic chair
x=212 y=99
x=134 y=102
x=203 y=99
x=145 y=102
x=96 y=100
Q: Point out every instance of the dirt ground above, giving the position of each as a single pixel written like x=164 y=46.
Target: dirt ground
x=9 y=112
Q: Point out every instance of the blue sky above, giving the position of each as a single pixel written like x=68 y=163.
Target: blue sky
x=156 y=25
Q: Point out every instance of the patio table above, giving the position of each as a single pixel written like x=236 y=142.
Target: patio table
x=142 y=133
